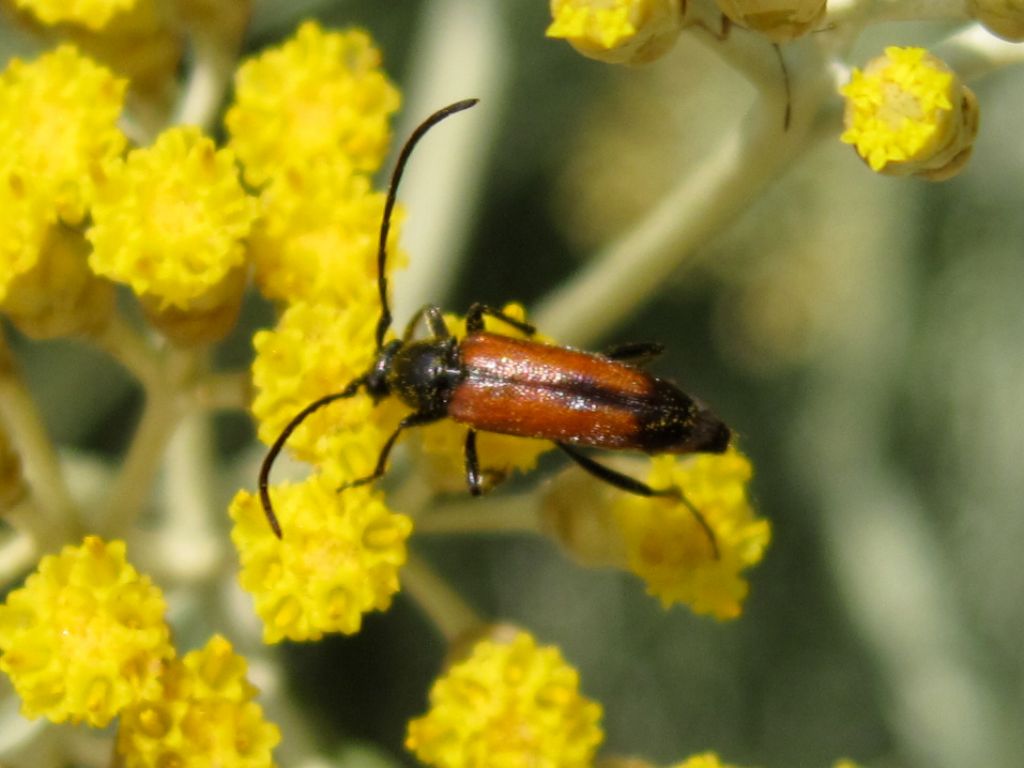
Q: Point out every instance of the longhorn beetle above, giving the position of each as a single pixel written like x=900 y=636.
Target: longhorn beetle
x=512 y=386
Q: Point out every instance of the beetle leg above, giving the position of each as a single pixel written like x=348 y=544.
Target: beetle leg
x=472 y=465
x=475 y=319
x=435 y=322
x=631 y=485
x=636 y=353
x=412 y=420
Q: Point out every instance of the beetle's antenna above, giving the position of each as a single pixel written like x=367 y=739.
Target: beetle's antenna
x=268 y=460
x=385 y=225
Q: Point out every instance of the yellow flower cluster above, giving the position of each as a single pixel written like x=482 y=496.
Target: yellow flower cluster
x=58 y=126
x=443 y=442
x=86 y=640
x=309 y=122
x=906 y=112
x=170 y=219
x=508 y=704
x=317 y=239
x=203 y=716
x=85 y=636
x=305 y=102
x=92 y=14
x=339 y=557
x=314 y=350
x=668 y=548
x=617 y=31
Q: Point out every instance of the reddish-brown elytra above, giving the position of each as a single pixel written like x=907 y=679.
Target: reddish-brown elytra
x=495 y=383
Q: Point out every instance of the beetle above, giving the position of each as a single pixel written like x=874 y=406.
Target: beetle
x=514 y=386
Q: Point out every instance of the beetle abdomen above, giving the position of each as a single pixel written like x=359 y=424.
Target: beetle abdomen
x=524 y=388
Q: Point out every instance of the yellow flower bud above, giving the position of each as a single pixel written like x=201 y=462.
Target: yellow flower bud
x=59 y=295
x=907 y=113
x=1003 y=18
x=617 y=31
x=317 y=96
x=778 y=20
x=58 y=127
x=93 y=14
x=508 y=703
x=85 y=636
x=204 y=715
x=338 y=559
x=169 y=221
x=144 y=44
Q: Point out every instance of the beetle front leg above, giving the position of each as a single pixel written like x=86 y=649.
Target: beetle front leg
x=632 y=485
x=412 y=420
x=475 y=319
x=435 y=322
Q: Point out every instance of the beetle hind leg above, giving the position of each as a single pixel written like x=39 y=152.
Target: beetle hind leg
x=634 y=486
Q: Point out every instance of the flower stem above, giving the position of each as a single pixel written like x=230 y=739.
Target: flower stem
x=973 y=53
x=508 y=514
x=57 y=518
x=216 y=41
x=126 y=345
x=163 y=408
x=624 y=274
x=442 y=605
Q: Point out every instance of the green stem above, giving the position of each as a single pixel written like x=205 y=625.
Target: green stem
x=973 y=53
x=623 y=275
x=442 y=605
x=508 y=514
x=18 y=551
x=230 y=391
x=164 y=407
x=57 y=517
x=126 y=345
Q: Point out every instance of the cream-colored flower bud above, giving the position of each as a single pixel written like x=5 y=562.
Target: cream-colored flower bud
x=1003 y=18
x=59 y=295
x=208 y=319
x=778 y=20
x=12 y=482
x=618 y=31
x=576 y=512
